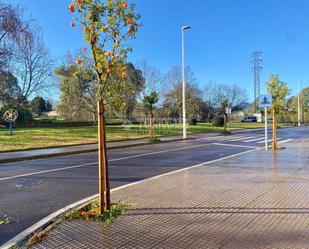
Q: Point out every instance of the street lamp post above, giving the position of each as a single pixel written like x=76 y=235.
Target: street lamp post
x=184 y=124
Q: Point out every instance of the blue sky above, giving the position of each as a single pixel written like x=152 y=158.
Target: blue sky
x=224 y=33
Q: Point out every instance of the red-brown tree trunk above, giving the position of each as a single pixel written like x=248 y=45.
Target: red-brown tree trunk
x=274 y=147
x=104 y=185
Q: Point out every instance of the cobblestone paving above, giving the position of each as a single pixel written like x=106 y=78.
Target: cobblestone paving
x=256 y=200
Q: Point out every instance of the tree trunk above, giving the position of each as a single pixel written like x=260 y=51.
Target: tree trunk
x=274 y=147
x=108 y=191
x=225 y=121
x=103 y=162
x=151 y=126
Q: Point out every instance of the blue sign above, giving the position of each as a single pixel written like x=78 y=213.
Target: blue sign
x=265 y=100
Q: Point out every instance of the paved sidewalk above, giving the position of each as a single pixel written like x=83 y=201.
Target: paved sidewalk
x=255 y=200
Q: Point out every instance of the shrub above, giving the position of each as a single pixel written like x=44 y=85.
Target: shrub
x=1 y=116
x=218 y=121
x=193 y=121
x=154 y=140
x=24 y=116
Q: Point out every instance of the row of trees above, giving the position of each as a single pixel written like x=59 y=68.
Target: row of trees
x=147 y=93
x=26 y=67
x=150 y=94
x=79 y=86
x=292 y=107
x=27 y=70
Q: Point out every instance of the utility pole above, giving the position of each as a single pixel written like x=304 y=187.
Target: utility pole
x=184 y=121
x=256 y=60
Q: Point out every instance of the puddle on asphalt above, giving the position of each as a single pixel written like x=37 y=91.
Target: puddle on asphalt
x=29 y=183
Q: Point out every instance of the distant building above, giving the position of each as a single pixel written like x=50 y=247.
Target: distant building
x=52 y=114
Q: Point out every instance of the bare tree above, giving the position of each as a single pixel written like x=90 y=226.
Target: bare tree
x=153 y=85
x=215 y=94
x=153 y=80
x=209 y=94
x=33 y=64
x=173 y=98
x=11 y=26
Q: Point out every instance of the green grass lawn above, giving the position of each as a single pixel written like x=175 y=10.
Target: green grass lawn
x=30 y=138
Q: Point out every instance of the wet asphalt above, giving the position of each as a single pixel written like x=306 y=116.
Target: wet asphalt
x=31 y=190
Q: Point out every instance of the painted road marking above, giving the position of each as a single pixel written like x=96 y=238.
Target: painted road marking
x=111 y=160
x=236 y=145
x=268 y=141
x=118 y=159
x=243 y=138
x=50 y=217
x=286 y=141
x=253 y=140
x=44 y=221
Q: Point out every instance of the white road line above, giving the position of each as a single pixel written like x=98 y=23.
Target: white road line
x=218 y=138
x=238 y=139
x=111 y=160
x=285 y=141
x=228 y=138
x=114 y=149
x=231 y=137
x=236 y=145
x=263 y=141
x=159 y=152
x=46 y=171
x=224 y=138
x=253 y=140
x=270 y=140
x=208 y=138
x=50 y=217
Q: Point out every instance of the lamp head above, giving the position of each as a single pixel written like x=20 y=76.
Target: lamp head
x=186 y=27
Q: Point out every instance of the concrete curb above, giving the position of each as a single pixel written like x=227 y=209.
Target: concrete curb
x=20 y=159
x=51 y=147
x=43 y=223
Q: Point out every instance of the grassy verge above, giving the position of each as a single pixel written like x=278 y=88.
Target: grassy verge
x=31 y=138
